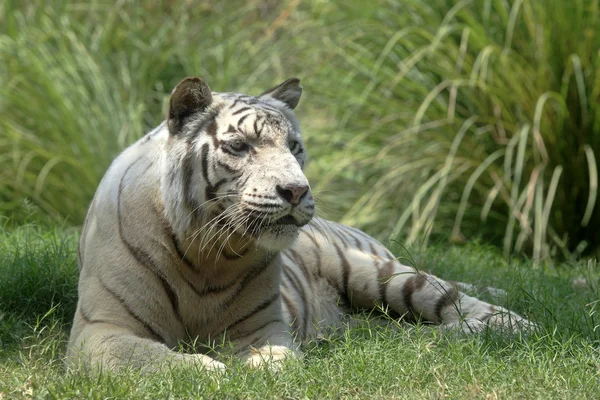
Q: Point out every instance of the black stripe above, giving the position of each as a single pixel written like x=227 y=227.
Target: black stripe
x=300 y=262
x=293 y=312
x=241 y=110
x=256 y=128
x=204 y=160
x=186 y=178
x=262 y=306
x=212 y=128
x=241 y=120
x=336 y=231
x=384 y=275
x=345 y=269
x=132 y=314
x=317 y=251
x=311 y=237
x=360 y=233
x=210 y=191
x=373 y=250
x=211 y=290
x=141 y=256
x=180 y=254
x=390 y=255
x=248 y=333
x=255 y=271
x=207 y=291
x=449 y=297
x=295 y=281
x=486 y=318
x=242 y=184
x=145 y=260
x=356 y=240
x=410 y=286
x=207 y=124
x=173 y=298
x=226 y=167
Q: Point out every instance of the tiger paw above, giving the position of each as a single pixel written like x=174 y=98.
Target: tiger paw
x=466 y=325
x=271 y=357
x=504 y=320
x=200 y=360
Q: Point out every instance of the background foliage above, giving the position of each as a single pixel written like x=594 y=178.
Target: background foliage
x=476 y=118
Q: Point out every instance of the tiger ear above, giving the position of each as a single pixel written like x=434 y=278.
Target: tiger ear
x=288 y=92
x=190 y=96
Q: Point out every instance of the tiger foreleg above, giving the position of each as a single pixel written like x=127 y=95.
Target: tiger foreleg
x=114 y=348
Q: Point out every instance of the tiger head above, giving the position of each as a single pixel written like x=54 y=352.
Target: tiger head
x=234 y=164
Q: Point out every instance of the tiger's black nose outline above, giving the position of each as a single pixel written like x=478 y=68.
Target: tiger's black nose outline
x=292 y=193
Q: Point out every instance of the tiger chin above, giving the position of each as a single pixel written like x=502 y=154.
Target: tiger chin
x=204 y=228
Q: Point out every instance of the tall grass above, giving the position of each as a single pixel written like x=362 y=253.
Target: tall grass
x=81 y=81
x=489 y=114
x=469 y=118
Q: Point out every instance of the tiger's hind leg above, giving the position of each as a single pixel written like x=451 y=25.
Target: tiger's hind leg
x=368 y=275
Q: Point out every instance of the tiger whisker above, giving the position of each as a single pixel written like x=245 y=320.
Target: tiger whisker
x=209 y=237
x=229 y=227
x=230 y=217
x=226 y=241
x=214 y=200
x=209 y=225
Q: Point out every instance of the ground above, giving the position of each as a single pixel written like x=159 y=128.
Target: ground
x=390 y=360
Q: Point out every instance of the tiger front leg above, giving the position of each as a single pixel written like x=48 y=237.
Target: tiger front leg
x=104 y=346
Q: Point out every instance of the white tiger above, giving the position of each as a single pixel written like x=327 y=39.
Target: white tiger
x=204 y=229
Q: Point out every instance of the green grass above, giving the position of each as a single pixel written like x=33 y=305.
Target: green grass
x=38 y=295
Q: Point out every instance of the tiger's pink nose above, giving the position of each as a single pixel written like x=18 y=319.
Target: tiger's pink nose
x=292 y=193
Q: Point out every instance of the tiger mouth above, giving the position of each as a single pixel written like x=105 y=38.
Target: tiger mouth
x=287 y=221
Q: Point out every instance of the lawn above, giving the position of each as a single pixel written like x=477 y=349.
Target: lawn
x=371 y=360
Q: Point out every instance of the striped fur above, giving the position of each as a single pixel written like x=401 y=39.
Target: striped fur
x=204 y=229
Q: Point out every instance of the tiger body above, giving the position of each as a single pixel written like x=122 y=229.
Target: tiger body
x=203 y=229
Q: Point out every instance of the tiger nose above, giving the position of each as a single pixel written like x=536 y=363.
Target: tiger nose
x=292 y=193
